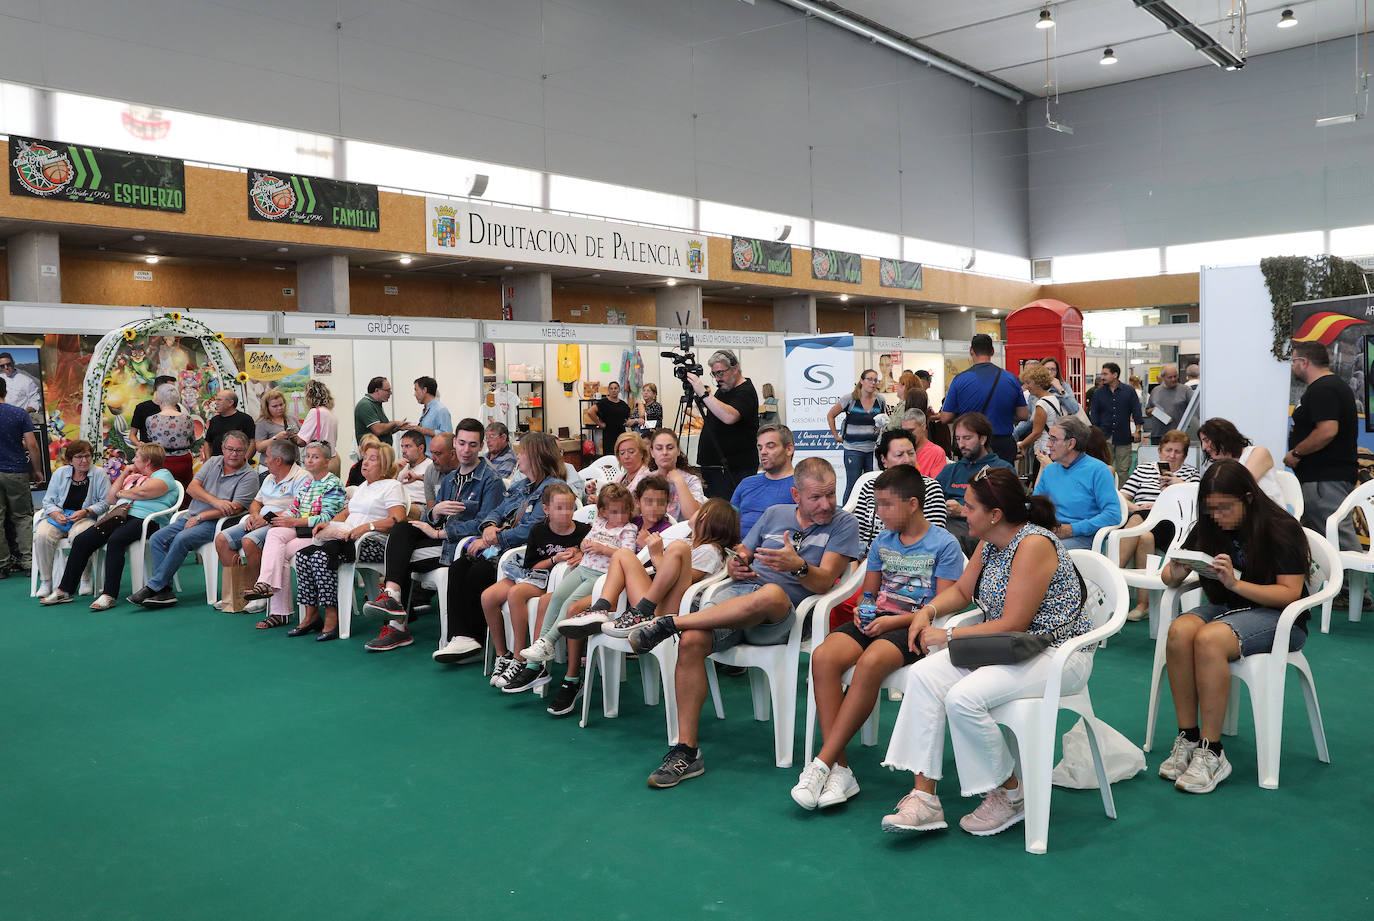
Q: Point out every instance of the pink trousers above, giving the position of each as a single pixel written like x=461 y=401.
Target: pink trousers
x=281 y=545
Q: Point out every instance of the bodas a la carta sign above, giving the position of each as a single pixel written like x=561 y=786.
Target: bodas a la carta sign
x=462 y=228
x=768 y=256
x=290 y=198
x=894 y=273
x=836 y=265
x=95 y=175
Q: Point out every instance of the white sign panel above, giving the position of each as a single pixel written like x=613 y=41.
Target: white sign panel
x=460 y=228
x=819 y=370
x=504 y=331
x=384 y=328
x=704 y=339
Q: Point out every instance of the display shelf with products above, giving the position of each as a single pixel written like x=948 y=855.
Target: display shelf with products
x=530 y=410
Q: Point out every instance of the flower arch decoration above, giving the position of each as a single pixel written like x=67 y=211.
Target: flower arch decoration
x=170 y=324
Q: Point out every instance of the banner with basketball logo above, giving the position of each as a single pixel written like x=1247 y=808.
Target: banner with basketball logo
x=95 y=175
x=768 y=256
x=898 y=273
x=837 y=265
x=290 y=198
x=819 y=371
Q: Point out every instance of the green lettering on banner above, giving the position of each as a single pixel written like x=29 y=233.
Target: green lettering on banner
x=58 y=171
x=313 y=201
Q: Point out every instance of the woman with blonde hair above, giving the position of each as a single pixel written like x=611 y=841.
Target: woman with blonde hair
x=272 y=421
x=650 y=409
x=320 y=423
x=859 y=435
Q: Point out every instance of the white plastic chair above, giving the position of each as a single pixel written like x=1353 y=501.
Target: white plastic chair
x=1264 y=674
x=59 y=560
x=1100 y=538
x=1358 y=563
x=853 y=502
x=1177 y=505
x=586 y=514
x=1291 y=490
x=604 y=470
x=509 y=557
x=1033 y=721
x=773 y=669
x=820 y=628
x=139 y=560
x=209 y=559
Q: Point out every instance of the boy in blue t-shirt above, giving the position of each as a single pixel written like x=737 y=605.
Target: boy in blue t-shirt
x=908 y=564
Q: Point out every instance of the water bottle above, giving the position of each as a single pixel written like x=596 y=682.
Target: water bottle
x=867 y=610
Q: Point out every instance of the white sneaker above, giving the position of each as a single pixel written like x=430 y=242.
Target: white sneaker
x=839 y=787
x=497 y=667
x=540 y=651
x=256 y=607
x=1205 y=771
x=810 y=783
x=1179 y=759
x=500 y=679
x=44 y=589
x=456 y=648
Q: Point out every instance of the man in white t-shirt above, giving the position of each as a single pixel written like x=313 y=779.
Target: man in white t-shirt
x=414 y=467
x=20 y=389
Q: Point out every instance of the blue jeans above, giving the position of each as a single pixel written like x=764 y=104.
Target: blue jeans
x=237 y=534
x=170 y=545
x=856 y=464
x=1077 y=542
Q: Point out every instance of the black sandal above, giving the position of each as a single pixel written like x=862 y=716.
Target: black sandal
x=259 y=591
x=272 y=620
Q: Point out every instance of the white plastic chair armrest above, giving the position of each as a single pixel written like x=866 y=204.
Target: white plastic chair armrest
x=1333 y=521
x=702 y=589
x=822 y=605
x=1284 y=628
x=508 y=557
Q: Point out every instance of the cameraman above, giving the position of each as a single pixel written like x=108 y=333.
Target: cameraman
x=726 y=452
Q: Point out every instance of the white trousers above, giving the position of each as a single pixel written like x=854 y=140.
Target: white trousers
x=938 y=692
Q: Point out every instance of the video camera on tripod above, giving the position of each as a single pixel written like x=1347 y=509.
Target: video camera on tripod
x=684 y=360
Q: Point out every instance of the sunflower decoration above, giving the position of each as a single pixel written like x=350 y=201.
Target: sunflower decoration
x=219 y=337
x=176 y=317
x=130 y=334
x=107 y=382
x=243 y=377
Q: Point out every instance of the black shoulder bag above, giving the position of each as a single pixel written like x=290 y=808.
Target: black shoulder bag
x=1005 y=648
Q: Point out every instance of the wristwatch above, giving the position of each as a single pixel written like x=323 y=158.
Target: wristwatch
x=805 y=568
x=372 y=526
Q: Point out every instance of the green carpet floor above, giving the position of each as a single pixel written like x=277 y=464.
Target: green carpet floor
x=179 y=764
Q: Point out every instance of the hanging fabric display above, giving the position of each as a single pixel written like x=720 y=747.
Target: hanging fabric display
x=569 y=365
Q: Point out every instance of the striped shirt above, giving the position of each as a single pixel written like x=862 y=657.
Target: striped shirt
x=1143 y=486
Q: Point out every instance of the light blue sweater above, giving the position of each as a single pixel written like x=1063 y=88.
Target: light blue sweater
x=1084 y=494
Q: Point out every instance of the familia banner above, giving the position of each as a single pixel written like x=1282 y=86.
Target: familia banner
x=461 y=228
x=819 y=371
x=748 y=254
x=95 y=175
x=836 y=265
x=289 y=198
x=895 y=273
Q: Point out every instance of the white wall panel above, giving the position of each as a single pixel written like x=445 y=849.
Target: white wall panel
x=458 y=369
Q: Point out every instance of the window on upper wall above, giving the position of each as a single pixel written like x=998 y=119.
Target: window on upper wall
x=733 y=220
x=928 y=252
x=396 y=167
x=169 y=133
x=18 y=109
x=585 y=196
x=1189 y=257
x=1002 y=265
x=857 y=240
x=1123 y=263
x=1348 y=242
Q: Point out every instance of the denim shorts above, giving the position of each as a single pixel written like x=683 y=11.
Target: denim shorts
x=764 y=634
x=1253 y=627
x=236 y=535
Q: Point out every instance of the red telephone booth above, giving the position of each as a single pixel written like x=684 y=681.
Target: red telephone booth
x=1048 y=328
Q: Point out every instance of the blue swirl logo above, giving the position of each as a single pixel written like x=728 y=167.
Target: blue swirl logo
x=820 y=376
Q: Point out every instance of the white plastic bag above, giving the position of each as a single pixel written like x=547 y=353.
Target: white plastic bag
x=1120 y=756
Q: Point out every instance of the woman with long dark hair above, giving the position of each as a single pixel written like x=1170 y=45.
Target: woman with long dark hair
x=1022 y=577
x=1260 y=561
x=1221 y=440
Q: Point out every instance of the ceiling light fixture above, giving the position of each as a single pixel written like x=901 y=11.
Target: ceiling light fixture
x=1287 y=20
x=1190 y=32
x=844 y=297
x=963 y=310
x=671 y=282
x=1108 y=59
x=1046 y=21
x=406 y=260
x=151 y=260
x=282 y=249
x=139 y=238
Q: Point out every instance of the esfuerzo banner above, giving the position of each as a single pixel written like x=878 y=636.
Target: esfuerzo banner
x=819 y=370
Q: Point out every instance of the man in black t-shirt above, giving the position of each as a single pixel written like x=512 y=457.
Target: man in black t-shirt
x=150 y=408
x=726 y=452
x=611 y=413
x=1322 y=442
x=227 y=418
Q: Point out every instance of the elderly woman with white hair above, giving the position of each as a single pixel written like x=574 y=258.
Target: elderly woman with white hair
x=172 y=428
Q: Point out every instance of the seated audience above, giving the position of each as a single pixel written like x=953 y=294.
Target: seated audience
x=972 y=433
x=375 y=507
x=791 y=553
x=1221 y=440
x=274 y=497
x=1141 y=490
x=772 y=485
x=685 y=491
x=155 y=491
x=1024 y=580
x=930 y=457
x=1082 y=488
x=1259 y=564
x=651 y=499
x=556 y=539
x=498 y=452
x=315 y=504
x=470 y=489
x=908 y=563
x=223 y=487
x=897 y=448
x=74 y=500
x=415 y=466
x=508 y=526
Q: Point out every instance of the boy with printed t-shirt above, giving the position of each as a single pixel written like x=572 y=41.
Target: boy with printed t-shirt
x=908 y=564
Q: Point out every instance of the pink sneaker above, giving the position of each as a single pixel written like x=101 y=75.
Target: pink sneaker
x=916 y=811
x=995 y=814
